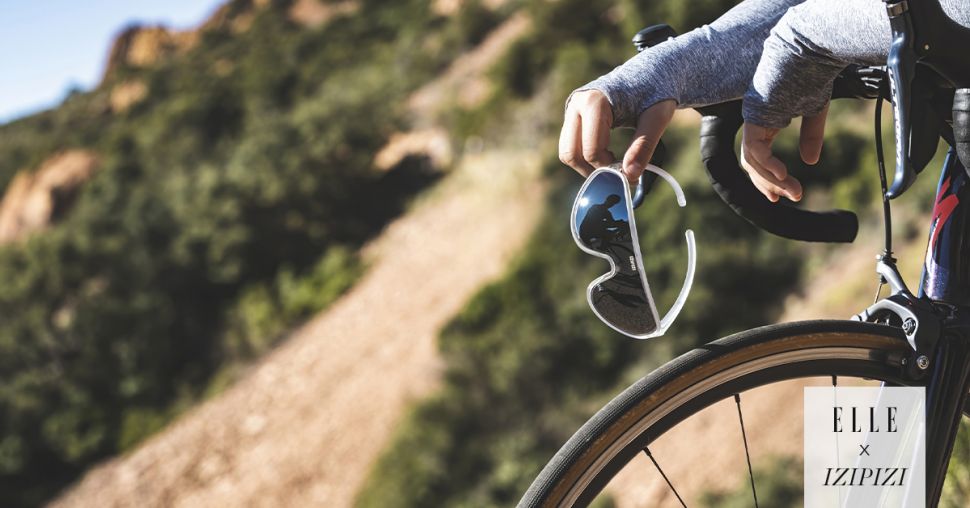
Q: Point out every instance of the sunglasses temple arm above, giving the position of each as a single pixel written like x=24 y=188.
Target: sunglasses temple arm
x=678 y=191
x=688 y=282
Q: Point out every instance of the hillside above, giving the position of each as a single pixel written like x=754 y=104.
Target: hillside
x=304 y=425
x=171 y=226
x=316 y=252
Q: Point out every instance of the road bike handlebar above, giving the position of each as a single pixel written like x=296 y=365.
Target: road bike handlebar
x=719 y=128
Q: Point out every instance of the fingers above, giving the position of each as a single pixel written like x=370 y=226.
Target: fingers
x=767 y=172
x=650 y=127
x=811 y=135
x=756 y=142
x=766 y=181
x=596 y=123
x=585 y=137
x=767 y=192
x=767 y=184
x=571 y=144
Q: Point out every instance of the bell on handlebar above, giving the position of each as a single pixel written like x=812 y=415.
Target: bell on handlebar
x=652 y=35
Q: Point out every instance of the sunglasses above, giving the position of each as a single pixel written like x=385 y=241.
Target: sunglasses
x=603 y=225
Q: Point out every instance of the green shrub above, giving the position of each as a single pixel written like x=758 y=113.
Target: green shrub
x=229 y=207
x=265 y=311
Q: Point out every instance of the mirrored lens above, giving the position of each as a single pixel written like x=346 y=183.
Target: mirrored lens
x=622 y=302
x=602 y=218
x=603 y=226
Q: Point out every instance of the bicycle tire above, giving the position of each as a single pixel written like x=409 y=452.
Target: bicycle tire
x=704 y=376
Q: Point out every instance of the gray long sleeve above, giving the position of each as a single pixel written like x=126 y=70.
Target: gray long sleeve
x=780 y=55
x=710 y=64
x=808 y=48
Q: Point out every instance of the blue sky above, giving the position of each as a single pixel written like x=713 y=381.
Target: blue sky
x=50 y=46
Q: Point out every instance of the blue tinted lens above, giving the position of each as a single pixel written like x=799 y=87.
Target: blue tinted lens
x=601 y=212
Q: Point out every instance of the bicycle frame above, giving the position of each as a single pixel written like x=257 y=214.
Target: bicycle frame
x=946 y=270
x=937 y=322
x=946 y=283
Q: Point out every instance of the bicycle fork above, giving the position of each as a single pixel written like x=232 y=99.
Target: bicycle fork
x=946 y=279
x=937 y=321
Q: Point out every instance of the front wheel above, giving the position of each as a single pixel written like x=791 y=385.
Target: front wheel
x=751 y=371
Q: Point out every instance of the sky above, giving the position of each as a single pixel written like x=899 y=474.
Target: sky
x=48 y=47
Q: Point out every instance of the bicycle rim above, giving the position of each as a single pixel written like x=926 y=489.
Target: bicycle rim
x=702 y=377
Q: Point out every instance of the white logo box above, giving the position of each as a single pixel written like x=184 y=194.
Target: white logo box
x=865 y=447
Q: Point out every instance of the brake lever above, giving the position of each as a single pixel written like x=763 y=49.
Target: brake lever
x=901 y=65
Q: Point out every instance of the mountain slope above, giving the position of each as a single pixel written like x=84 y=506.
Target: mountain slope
x=305 y=424
x=235 y=187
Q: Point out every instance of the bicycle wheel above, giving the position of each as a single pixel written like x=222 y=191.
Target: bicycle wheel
x=694 y=381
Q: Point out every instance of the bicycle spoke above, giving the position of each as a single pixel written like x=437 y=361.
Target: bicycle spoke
x=835 y=400
x=747 y=454
x=671 y=485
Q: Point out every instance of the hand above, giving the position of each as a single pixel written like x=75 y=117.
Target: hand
x=767 y=172
x=650 y=127
x=585 y=137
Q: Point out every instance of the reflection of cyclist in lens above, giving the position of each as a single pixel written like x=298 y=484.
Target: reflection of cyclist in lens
x=599 y=227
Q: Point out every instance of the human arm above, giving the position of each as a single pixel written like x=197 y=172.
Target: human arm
x=802 y=56
x=711 y=64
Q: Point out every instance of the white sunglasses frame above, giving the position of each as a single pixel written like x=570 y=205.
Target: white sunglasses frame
x=668 y=319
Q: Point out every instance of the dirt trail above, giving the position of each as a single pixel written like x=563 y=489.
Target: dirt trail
x=465 y=80
x=305 y=425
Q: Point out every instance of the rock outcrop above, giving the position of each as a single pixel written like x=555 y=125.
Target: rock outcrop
x=127 y=94
x=142 y=46
x=315 y=13
x=35 y=199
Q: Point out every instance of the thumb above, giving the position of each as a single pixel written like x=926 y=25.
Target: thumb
x=650 y=127
x=811 y=135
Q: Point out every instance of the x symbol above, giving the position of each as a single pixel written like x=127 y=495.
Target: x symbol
x=865 y=450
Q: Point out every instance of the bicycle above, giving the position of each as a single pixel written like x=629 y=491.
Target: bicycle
x=903 y=339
